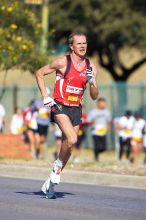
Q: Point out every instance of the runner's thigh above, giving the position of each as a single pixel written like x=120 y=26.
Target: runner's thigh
x=65 y=125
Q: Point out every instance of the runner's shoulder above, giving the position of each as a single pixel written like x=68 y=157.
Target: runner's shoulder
x=60 y=62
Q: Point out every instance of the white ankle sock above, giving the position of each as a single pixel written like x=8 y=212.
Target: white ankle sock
x=59 y=163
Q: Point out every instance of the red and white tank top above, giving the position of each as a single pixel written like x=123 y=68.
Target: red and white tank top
x=69 y=88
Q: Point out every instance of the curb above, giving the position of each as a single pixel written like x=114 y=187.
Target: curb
x=74 y=176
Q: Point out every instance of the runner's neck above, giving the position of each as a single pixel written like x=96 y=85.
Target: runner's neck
x=78 y=62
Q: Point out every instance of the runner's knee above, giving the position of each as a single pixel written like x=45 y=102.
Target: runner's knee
x=72 y=140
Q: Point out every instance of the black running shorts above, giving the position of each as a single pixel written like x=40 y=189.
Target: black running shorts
x=42 y=130
x=73 y=112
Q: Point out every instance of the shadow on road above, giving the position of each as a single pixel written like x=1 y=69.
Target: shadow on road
x=41 y=194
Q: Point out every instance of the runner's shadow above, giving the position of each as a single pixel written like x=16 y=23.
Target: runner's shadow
x=63 y=194
x=42 y=195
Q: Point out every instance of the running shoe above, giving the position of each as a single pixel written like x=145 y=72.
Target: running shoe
x=55 y=174
x=48 y=189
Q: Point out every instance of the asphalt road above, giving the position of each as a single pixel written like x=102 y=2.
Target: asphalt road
x=22 y=199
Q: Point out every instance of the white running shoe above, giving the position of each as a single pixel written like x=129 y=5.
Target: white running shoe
x=55 y=174
x=46 y=185
x=48 y=189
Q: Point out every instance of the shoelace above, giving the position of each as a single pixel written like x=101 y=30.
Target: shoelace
x=57 y=170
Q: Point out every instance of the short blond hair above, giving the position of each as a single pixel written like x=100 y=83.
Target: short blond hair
x=71 y=36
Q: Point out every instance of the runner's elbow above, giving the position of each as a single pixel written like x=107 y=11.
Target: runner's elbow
x=94 y=93
x=94 y=96
x=39 y=74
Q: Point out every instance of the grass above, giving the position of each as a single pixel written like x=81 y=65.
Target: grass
x=107 y=163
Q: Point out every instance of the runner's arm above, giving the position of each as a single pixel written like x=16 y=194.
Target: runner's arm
x=93 y=88
x=58 y=64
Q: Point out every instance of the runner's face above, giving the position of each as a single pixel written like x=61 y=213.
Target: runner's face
x=79 y=45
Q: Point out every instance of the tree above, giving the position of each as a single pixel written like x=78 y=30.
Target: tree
x=20 y=33
x=110 y=25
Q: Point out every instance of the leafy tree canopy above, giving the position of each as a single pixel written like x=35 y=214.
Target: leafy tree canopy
x=20 y=32
x=110 y=25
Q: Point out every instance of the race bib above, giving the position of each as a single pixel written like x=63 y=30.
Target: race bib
x=43 y=113
x=80 y=132
x=73 y=98
x=127 y=131
x=137 y=139
x=101 y=131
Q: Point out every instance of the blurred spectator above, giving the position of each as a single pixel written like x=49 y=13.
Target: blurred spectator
x=124 y=128
x=81 y=135
x=58 y=139
x=30 y=137
x=116 y=136
x=17 y=122
x=2 y=118
x=43 y=121
x=101 y=124
x=137 y=136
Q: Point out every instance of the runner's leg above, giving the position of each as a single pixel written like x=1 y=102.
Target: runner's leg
x=69 y=137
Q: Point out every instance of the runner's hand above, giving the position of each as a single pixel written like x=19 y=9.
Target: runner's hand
x=49 y=102
x=90 y=76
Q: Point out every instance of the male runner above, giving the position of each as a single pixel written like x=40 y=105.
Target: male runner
x=73 y=72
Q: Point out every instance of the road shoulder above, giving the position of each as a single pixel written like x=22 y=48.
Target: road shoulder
x=73 y=176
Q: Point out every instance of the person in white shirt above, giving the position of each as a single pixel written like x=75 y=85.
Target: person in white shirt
x=137 y=136
x=124 y=128
x=17 y=122
x=2 y=117
x=101 y=124
x=29 y=117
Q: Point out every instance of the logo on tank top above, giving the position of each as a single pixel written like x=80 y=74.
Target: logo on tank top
x=70 y=79
x=82 y=73
x=74 y=90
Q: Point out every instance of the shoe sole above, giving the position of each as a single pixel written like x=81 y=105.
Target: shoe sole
x=44 y=188
x=51 y=196
x=45 y=191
